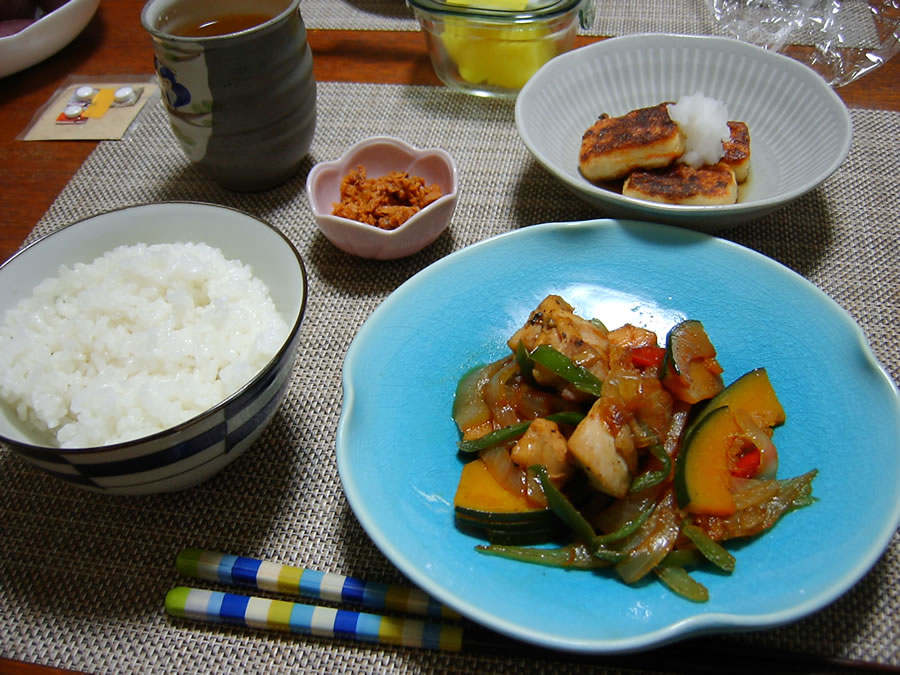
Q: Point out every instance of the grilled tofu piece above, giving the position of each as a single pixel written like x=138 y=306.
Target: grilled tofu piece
x=737 y=150
x=682 y=184
x=645 y=138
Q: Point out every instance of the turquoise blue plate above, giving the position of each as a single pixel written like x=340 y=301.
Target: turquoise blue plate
x=396 y=441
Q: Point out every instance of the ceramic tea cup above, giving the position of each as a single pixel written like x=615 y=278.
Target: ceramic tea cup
x=237 y=83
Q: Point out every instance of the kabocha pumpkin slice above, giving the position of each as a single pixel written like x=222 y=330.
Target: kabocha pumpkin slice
x=751 y=396
x=714 y=449
x=485 y=508
x=690 y=370
x=702 y=471
x=752 y=392
x=479 y=492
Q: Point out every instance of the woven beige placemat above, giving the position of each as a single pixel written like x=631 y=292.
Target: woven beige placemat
x=83 y=576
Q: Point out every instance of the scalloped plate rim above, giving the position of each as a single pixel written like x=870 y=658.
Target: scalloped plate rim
x=697 y=623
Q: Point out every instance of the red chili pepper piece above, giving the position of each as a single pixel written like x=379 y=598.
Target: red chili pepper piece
x=646 y=357
x=746 y=465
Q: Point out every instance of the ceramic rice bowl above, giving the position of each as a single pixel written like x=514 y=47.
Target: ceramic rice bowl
x=193 y=451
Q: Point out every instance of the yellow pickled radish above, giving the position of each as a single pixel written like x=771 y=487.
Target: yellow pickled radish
x=504 y=57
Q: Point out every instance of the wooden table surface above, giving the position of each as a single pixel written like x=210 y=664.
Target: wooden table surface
x=32 y=174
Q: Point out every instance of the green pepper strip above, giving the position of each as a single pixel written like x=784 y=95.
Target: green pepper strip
x=526 y=365
x=652 y=478
x=711 y=550
x=563 y=508
x=626 y=530
x=560 y=364
x=514 y=431
x=493 y=438
x=566 y=511
x=682 y=557
x=573 y=556
x=682 y=583
x=572 y=417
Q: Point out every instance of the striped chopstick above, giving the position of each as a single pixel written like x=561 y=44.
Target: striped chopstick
x=295 y=617
x=268 y=576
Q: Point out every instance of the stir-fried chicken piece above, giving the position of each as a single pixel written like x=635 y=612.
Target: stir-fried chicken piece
x=627 y=449
x=594 y=448
x=543 y=443
x=555 y=323
x=625 y=339
x=646 y=407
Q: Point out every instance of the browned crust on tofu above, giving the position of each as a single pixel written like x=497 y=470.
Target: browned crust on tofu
x=737 y=150
x=645 y=138
x=683 y=184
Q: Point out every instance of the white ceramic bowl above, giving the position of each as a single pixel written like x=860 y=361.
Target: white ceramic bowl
x=799 y=128
x=380 y=156
x=193 y=451
x=45 y=37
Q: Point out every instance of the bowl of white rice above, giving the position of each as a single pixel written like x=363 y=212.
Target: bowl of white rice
x=144 y=349
x=799 y=129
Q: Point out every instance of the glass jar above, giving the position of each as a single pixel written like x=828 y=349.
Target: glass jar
x=492 y=47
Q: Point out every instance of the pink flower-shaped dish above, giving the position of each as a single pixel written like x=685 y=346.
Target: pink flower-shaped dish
x=379 y=156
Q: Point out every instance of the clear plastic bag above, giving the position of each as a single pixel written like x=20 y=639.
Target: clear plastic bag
x=841 y=40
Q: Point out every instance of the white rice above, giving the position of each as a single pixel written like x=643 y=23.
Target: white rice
x=704 y=121
x=142 y=338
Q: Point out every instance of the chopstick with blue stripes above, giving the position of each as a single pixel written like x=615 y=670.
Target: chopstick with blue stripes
x=295 y=617
x=269 y=576
x=266 y=613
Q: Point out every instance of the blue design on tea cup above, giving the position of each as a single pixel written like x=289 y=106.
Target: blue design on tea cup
x=176 y=93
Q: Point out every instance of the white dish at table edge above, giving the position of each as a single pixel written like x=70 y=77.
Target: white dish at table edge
x=396 y=439
x=45 y=37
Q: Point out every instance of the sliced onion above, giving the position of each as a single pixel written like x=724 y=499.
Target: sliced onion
x=655 y=407
x=748 y=492
x=498 y=396
x=680 y=415
x=768 y=462
x=532 y=403
x=534 y=492
x=648 y=546
x=751 y=520
x=469 y=408
x=504 y=471
x=625 y=510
